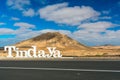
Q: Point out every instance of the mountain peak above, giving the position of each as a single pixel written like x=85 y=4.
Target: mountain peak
x=48 y=36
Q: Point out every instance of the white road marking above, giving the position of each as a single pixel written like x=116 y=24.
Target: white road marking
x=60 y=69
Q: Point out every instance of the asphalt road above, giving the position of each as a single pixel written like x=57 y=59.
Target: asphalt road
x=59 y=70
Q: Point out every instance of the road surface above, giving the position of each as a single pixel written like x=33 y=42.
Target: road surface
x=59 y=70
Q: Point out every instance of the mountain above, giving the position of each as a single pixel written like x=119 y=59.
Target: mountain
x=53 y=39
x=67 y=46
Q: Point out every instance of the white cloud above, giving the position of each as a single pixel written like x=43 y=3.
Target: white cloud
x=61 y=13
x=86 y=37
x=18 y=4
x=23 y=6
x=4 y=31
x=90 y=33
x=95 y=38
x=2 y=23
x=22 y=33
x=30 y=12
x=97 y=26
x=15 y=18
x=24 y=25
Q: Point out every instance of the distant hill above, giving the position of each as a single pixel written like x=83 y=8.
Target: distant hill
x=107 y=47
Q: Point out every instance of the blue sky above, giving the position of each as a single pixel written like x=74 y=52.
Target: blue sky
x=91 y=22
